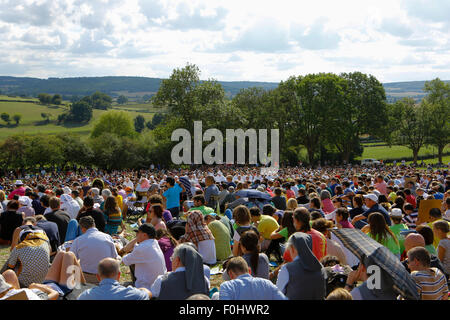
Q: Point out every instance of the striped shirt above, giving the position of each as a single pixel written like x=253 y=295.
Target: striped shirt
x=410 y=220
x=431 y=284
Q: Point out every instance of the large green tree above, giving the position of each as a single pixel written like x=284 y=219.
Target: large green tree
x=115 y=122
x=438 y=101
x=139 y=123
x=80 y=111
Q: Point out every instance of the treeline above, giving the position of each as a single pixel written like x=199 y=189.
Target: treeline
x=323 y=114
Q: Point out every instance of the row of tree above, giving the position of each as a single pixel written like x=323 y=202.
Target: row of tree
x=324 y=114
x=7 y=118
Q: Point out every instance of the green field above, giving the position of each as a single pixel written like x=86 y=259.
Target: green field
x=398 y=152
x=33 y=123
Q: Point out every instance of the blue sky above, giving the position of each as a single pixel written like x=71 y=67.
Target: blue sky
x=395 y=40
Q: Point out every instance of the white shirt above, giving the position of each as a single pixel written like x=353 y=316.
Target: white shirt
x=283 y=277
x=149 y=262
x=156 y=287
x=91 y=247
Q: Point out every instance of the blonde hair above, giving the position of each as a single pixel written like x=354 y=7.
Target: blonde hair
x=2 y=195
x=292 y=204
x=339 y=294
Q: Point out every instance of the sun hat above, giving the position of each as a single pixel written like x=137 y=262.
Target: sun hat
x=18 y=183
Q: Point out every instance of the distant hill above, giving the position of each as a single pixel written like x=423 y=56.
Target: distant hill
x=138 y=87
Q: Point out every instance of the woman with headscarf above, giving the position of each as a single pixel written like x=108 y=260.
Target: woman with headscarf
x=187 y=278
x=69 y=205
x=199 y=234
x=304 y=277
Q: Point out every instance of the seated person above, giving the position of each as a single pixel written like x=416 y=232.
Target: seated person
x=186 y=279
x=9 y=287
x=199 y=204
x=31 y=256
x=431 y=282
x=9 y=221
x=243 y=286
x=109 y=287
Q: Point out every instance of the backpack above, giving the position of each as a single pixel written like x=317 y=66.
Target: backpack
x=336 y=277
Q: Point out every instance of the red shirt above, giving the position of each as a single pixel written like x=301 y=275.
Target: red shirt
x=319 y=248
x=412 y=200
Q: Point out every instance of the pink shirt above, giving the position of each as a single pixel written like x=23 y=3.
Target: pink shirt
x=382 y=187
x=20 y=191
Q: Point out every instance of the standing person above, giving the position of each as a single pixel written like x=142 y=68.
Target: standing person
x=430 y=282
x=59 y=217
x=173 y=196
x=304 y=277
x=198 y=233
x=211 y=192
x=243 y=286
x=9 y=221
x=91 y=247
x=146 y=256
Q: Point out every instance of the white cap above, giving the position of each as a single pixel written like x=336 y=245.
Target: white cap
x=371 y=196
x=18 y=183
x=25 y=201
x=376 y=192
x=396 y=213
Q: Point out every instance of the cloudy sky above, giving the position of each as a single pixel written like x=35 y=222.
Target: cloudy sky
x=394 y=40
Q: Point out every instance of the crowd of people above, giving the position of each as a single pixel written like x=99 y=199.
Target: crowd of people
x=271 y=232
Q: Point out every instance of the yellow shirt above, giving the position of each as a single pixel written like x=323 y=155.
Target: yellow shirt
x=267 y=225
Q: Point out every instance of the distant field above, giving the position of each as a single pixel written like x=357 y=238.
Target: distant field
x=396 y=152
x=33 y=123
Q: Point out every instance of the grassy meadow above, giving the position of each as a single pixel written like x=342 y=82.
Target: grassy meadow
x=33 y=123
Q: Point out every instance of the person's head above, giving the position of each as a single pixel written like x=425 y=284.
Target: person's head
x=255 y=214
x=12 y=205
x=162 y=232
x=209 y=180
x=288 y=221
x=40 y=217
x=75 y=194
x=86 y=223
x=378 y=227
x=418 y=259
x=342 y=214
x=396 y=215
x=314 y=203
x=106 y=193
x=322 y=225
x=371 y=199
x=427 y=234
x=330 y=261
x=88 y=202
x=241 y=215
x=108 y=268
x=440 y=229
x=408 y=208
x=170 y=181
x=435 y=214
x=339 y=294
x=413 y=240
x=278 y=191
x=54 y=203
x=111 y=204
x=145 y=232
x=237 y=266
x=156 y=198
x=325 y=194
x=29 y=221
x=292 y=204
x=358 y=201
x=199 y=200
x=337 y=202
x=249 y=244
x=156 y=211
x=301 y=219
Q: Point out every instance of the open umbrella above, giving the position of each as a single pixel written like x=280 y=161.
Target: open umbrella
x=363 y=247
x=253 y=194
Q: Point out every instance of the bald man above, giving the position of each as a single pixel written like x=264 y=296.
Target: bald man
x=109 y=287
x=414 y=240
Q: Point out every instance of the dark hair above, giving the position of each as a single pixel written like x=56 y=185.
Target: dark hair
x=278 y=191
x=330 y=261
x=255 y=212
x=249 y=240
x=358 y=200
x=322 y=225
x=54 y=203
x=315 y=215
x=88 y=201
x=421 y=254
x=111 y=205
x=45 y=199
x=441 y=225
x=12 y=205
x=199 y=197
x=160 y=233
x=86 y=222
x=427 y=233
x=343 y=212
x=76 y=193
x=435 y=213
x=379 y=228
x=170 y=181
x=158 y=210
x=382 y=198
x=287 y=222
x=408 y=206
x=156 y=198
x=316 y=202
x=302 y=215
x=59 y=192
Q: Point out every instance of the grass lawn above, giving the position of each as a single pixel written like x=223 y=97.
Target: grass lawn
x=397 y=152
x=33 y=123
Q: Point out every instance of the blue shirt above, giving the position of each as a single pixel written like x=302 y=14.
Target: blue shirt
x=380 y=209
x=110 y=289
x=246 y=287
x=173 y=196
